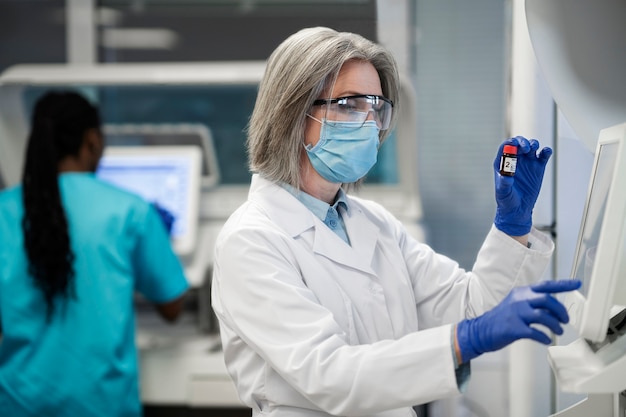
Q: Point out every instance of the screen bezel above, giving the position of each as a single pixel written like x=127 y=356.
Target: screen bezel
x=590 y=314
x=184 y=244
x=173 y=135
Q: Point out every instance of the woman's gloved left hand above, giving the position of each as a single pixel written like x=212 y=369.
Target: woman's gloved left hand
x=511 y=320
x=516 y=195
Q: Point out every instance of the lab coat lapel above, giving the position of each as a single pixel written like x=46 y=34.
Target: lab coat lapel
x=363 y=236
x=290 y=215
x=282 y=208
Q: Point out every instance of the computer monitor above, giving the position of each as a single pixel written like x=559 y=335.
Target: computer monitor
x=600 y=257
x=166 y=175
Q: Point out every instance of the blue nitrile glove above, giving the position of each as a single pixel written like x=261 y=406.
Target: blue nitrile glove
x=512 y=318
x=167 y=217
x=516 y=195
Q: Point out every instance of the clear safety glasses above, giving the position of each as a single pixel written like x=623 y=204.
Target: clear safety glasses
x=358 y=109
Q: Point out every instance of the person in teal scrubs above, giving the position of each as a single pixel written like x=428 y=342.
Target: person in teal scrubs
x=73 y=251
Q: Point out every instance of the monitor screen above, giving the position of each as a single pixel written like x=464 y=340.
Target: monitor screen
x=594 y=215
x=599 y=260
x=166 y=175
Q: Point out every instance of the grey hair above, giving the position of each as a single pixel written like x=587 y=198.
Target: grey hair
x=296 y=73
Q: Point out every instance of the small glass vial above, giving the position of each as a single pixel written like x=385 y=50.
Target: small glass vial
x=508 y=160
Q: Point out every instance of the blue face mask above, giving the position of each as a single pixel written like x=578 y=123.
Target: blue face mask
x=346 y=151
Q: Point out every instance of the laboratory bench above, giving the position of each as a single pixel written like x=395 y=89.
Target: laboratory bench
x=177 y=411
x=182 y=370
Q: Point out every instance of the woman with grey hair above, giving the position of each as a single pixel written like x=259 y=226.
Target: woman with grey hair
x=326 y=305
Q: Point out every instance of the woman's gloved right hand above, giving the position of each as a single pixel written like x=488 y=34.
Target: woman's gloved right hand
x=511 y=319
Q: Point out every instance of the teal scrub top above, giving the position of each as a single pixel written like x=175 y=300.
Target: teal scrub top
x=83 y=362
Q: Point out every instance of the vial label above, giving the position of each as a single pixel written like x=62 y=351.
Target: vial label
x=508 y=165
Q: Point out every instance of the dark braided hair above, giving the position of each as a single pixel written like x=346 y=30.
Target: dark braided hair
x=59 y=123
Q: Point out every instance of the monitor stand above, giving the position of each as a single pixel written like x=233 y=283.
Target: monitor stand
x=200 y=260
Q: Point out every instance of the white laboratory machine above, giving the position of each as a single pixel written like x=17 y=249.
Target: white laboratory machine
x=580 y=47
x=185 y=124
x=595 y=364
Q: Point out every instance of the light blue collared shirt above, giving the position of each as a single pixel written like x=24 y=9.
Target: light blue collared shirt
x=330 y=215
x=462 y=371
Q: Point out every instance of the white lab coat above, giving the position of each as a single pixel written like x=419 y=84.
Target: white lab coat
x=311 y=326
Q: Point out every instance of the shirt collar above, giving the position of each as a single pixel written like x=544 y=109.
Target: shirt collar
x=318 y=207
